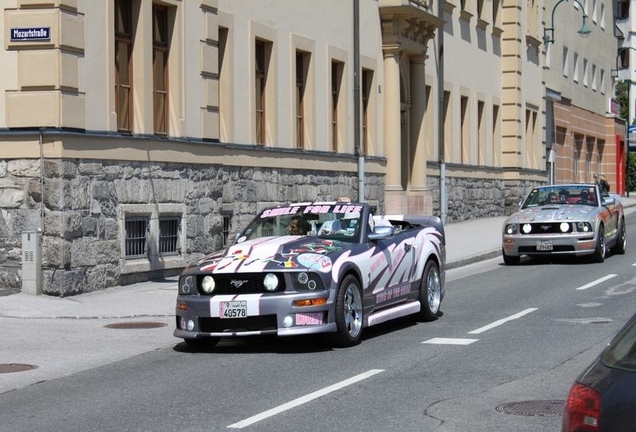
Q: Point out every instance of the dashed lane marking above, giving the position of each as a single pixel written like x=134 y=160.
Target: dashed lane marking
x=596 y=282
x=502 y=321
x=450 y=341
x=308 y=398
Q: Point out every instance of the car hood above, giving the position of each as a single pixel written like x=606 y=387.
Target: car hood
x=272 y=253
x=551 y=213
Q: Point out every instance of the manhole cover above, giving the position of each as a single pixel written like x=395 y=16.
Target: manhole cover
x=544 y=408
x=15 y=367
x=136 y=325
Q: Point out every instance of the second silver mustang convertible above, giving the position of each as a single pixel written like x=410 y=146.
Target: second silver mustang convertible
x=570 y=219
x=314 y=267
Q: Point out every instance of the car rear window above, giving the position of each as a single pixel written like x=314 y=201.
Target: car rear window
x=621 y=353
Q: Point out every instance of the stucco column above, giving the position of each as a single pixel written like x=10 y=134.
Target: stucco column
x=392 y=139
x=418 y=136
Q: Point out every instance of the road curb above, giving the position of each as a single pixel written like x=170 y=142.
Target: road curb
x=473 y=259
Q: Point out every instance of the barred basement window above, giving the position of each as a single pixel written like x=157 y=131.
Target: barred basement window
x=169 y=235
x=136 y=234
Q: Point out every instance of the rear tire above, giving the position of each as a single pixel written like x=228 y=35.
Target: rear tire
x=349 y=313
x=430 y=296
x=599 y=252
x=621 y=240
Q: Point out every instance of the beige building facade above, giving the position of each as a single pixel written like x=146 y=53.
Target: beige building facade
x=585 y=136
x=139 y=135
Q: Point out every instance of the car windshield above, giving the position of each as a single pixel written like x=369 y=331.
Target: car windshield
x=622 y=352
x=557 y=195
x=329 y=221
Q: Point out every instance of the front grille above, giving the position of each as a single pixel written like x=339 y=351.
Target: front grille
x=546 y=228
x=253 y=323
x=556 y=248
x=243 y=283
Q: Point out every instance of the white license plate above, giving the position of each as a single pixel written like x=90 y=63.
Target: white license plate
x=233 y=309
x=544 y=246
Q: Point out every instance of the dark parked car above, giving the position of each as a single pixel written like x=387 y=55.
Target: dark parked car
x=603 y=397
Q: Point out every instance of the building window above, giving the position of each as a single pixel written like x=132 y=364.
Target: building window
x=496 y=13
x=123 y=65
x=301 y=85
x=496 y=136
x=136 y=234
x=481 y=133
x=260 y=85
x=464 y=139
x=224 y=85
x=585 y=73
x=566 y=59
x=169 y=235
x=152 y=236
x=337 y=69
x=575 y=67
x=160 y=68
x=448 y=126
x=367 y=82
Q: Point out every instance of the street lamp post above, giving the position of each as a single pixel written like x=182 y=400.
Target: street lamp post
x=548 y=32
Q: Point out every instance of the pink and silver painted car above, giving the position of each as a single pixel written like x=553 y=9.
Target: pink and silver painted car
x=314 y=267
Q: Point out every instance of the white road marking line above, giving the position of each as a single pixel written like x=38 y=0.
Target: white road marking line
x=502 y=321
x=304 y=399
x=596 y=282
x=634 y=265
x=450 y=341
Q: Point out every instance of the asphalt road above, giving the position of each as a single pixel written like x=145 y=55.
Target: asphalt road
x=509 y=344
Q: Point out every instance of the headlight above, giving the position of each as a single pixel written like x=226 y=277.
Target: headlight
x=270 y=282
x=511 y=229
x=307 y=281
x=564 y=227
x=583 y=227
x=527 y=228
x=186 y=285
x=208 y=284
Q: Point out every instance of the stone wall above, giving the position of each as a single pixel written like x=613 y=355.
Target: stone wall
x=85 y=202
x=475 y=198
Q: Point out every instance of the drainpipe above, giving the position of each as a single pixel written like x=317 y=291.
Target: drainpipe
x=440 y=113
x=356 y=98
x=41 y=229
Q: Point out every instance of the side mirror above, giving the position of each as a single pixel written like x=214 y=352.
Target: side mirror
x=382 y=232
x=608 y=201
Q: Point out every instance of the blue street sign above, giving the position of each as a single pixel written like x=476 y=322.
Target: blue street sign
x=632 y=129
x=26 y=34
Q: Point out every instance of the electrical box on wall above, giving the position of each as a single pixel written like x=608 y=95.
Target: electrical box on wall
x=31 y=263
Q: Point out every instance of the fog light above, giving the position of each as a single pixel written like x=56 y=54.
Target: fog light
x=288 y=321
x=190 y=325
x=527 y=228
x=564 y=227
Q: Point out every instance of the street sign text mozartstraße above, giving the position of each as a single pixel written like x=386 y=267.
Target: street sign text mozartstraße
x=30 y=34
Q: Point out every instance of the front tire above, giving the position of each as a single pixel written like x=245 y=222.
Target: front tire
x=510 y=259
x=599 y=252
x=430 y=296
x=349 y=313
x=621 y=241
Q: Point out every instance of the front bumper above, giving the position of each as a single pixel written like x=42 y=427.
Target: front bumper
x=199 y=316
x=576 y=244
